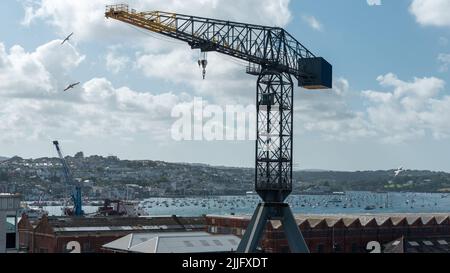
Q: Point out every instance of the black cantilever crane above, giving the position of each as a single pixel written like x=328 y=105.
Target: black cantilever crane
x=275 y=57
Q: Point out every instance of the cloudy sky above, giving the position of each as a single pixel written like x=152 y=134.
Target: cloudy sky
x=390 y=105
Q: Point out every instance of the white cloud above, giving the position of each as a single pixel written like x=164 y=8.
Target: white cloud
x=97 y=107
x=410 y=110
x=104 y=111
x=431 y=12
x=226 y=81
x=443 y=41
x=121 y=111
x=33 y=106
x=327 y=113
x=158 y=56
x=86 y=17
x=374 y=2
x=407 y=111
x=313 y=22
x=39 y=73
x=115 y=62
x=444 y=61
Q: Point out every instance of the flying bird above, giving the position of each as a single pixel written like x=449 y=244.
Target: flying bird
x=71 y=86
x=398 y=171
x=67 y=38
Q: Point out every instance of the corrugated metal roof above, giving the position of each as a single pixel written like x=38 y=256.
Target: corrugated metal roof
x=135 y=222
x=112 y=228
x=416 y=245
x=198 y=244
x=182 y=242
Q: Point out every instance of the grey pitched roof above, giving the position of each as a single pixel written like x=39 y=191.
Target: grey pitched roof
x=181 y=242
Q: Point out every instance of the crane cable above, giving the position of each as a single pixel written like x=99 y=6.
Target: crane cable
x=232 y=59
x=158 y=37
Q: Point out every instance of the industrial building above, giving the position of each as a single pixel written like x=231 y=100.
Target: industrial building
x=395 y=233
x=184 y=242
x=342 y=233
x=60 y=234
x=9 y=207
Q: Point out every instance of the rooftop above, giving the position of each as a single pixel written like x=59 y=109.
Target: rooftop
x=186 y=242
x=61 y=222
x=3 y=194
x=423 y=245
x=333 y=220
x=122 y=224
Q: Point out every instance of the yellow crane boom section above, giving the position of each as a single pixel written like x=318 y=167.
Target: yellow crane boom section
x=149 y=20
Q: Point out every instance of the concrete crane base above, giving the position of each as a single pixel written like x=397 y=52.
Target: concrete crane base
x=272 y=211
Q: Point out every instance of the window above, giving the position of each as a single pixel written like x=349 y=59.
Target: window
x=10 y=240
x=213 y=229
x=86 y=247
x=320 y=248
x=337 y=248
x=43 y=250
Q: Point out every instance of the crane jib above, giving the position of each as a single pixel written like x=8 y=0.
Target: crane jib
x=267 y=47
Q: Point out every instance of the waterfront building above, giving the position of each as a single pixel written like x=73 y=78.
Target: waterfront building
x=342 y=233
x=9 y=207
x=89 y=234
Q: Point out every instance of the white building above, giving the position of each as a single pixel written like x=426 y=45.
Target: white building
x=9 y=207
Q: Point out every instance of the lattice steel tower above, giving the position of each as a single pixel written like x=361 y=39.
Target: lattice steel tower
x=275 y=57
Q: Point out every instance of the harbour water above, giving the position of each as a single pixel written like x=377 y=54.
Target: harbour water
x=348 y=203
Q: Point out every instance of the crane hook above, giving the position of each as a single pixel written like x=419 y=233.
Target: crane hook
x=203 y=63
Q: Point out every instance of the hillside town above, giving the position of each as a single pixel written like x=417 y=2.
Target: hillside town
x=112 y=178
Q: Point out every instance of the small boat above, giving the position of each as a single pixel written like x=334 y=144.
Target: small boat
x=370 y=208
x=335 y=200
x=339 y=193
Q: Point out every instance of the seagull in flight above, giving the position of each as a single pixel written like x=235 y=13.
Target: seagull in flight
x=71 y=86
x=67 y=38
x=398 y=171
